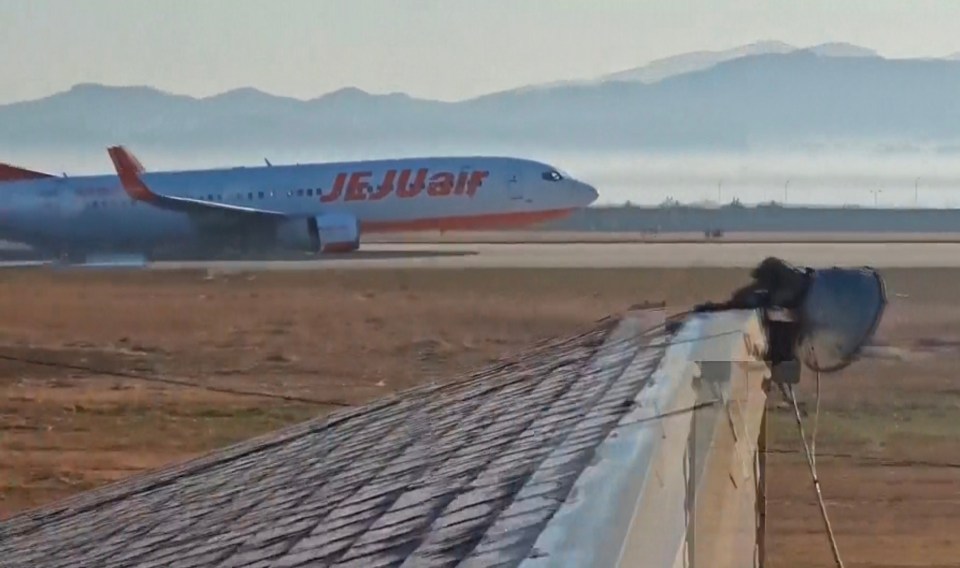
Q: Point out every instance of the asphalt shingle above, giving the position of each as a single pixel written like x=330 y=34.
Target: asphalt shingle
x=468 y=472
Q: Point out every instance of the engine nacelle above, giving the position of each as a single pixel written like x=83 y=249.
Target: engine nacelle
x=338 y=232
x=332 y=232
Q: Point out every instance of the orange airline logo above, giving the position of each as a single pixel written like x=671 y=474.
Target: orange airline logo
x=357 y=186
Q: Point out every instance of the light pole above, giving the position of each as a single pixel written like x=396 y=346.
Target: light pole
x=875 y=193
x=719 y=191
x=916 y=192
x=785 y=185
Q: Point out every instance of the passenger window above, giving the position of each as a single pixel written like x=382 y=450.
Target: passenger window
x=260 y=194
x=299 y=193
x=309 y=193
x=250 y=196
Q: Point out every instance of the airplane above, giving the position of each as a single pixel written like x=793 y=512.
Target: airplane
x=316 y=208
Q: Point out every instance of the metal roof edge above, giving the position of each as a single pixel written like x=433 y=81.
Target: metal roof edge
x=634 y=502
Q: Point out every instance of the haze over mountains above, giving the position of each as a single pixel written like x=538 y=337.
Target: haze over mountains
x=767 y=95
x=660 y=69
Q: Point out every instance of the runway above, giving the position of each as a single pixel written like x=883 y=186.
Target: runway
x=584 y=255
x=609 y=255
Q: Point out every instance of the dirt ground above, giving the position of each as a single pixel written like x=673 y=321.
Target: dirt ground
x=553 y=236
x=266 y=349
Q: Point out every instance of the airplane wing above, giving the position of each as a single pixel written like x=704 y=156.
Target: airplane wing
x=129 y=170
x=13 y=173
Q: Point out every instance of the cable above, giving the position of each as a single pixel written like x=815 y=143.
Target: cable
x=629 y=340
x=875 y=460
x=812 y=463
x=816 y=423
x=668 y=414
x=148 y=378
x=695 y=339
x=123 y=374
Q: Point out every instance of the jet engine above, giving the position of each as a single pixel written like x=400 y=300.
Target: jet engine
x=332 y=232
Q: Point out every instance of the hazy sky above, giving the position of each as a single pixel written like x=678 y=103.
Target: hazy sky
x=445 y=49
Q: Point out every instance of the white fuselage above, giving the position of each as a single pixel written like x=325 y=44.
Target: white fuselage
x=444 y=193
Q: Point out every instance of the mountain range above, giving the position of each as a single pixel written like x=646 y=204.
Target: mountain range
x=763 y=95
x=660 y=69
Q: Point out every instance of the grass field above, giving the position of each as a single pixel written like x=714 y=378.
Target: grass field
x=267 y=349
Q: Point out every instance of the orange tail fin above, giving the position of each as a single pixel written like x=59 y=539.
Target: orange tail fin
x=129 y=169
x=13 y=173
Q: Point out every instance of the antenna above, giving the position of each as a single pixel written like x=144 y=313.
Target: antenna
x=268 y=162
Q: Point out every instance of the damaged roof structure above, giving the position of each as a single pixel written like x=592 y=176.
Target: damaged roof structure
x=632 y=443
x=494 y=469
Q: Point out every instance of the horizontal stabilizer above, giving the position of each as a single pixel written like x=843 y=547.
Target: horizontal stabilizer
x=13 y=173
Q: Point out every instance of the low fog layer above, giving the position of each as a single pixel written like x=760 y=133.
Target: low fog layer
x=642 y=178
x=844 y=127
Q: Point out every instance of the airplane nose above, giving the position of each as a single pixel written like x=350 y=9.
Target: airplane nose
x=587 y=192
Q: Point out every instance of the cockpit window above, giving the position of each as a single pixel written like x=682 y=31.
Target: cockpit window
x=552 y=175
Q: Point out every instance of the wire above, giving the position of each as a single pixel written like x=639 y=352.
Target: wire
x=628 y=340
x=668 y=414
x=631 y=339
x=874 y=460
x=182 y=383
x=697 y=339
x=812 y=463
x=816 y=423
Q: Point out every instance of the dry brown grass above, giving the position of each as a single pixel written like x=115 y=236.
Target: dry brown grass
x=329 y=336
x=355 y=335
x=551 y=236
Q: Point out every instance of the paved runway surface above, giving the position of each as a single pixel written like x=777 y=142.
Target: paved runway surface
x=605 y=255
x=616 y=255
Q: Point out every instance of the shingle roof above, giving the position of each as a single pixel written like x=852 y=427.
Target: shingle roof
x=463 y=473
